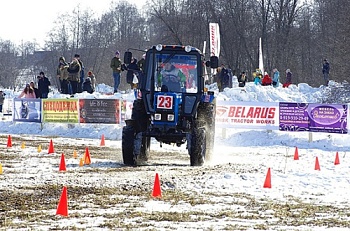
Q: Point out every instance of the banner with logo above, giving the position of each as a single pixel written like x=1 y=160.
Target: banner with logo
x=331 y=118
x=249 y=115
x=60 y=110
x=106 y=111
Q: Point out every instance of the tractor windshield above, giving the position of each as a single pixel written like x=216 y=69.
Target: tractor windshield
x=173 y=72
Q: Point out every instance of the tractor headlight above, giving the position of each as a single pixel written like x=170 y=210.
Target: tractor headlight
x=188 y=48
x=171 y=117
x=157 y=116
x=159 y=47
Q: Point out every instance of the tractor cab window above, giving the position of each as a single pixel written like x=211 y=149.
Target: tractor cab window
x=175 y=73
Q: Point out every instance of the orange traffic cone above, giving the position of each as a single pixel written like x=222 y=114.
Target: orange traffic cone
x=267 y=183
x=81 y=162
x=75 y=154
x=296 y=154
x=9 y=141
x=336 y=161
x=317 y=164
x=102 y=140
x=87 y=159
x=156 y=188
x=62 y=208
x=51 y=149
x=63 y=164
x=39 y=148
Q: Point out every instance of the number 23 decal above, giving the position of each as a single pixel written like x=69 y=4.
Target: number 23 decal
x=165 y=102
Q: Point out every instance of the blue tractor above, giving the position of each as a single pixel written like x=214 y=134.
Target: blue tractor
x=172 y=106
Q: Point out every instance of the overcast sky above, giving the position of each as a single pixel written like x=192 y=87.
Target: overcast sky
x=26 y=20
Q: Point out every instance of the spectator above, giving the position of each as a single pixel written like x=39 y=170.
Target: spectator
x=92 y=76
x=116 y=66
x=27 y=92
x=2 y=98
x=62 y=73
x=141 y=63
x=43 y=85
x=81 y=73
x=225 y=77
x=266 y=81
x=36 y=90
x=276 y=77
x=74 y=75
x=242 y=79
x=133 y=69
x=325 y=71
x=288 y=78
x=87 y=86
x=257 y=77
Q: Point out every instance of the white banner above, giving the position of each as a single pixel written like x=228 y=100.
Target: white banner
x=247 y=115
x=214 y=39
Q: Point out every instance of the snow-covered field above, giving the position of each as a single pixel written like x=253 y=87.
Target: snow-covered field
x=225 y=194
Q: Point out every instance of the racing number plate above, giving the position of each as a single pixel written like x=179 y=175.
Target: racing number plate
x=164 y=101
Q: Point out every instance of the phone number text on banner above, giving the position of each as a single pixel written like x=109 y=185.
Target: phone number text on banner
x=331 y=118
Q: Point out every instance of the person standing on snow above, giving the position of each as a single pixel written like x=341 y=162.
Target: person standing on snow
x=276 y=77
x=27 y=92
x=43 y=85
x=288 y=78
x=116 y=66
x=325 y=71
x=81 y=74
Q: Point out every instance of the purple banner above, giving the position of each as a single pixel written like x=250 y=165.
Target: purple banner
x=331 y=118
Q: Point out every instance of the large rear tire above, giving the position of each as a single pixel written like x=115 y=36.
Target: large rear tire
x=197 y=147
x=128 y=137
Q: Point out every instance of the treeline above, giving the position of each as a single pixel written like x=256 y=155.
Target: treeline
x=296 y=35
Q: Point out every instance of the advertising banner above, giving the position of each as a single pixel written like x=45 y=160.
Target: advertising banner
x=247 y=115
x=60 y=110
x=106 y=111
x=214 y=39
x=331 y=118
x=27 y=110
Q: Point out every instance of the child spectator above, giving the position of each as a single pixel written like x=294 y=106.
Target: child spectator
x=91 y=75
x=288 y=78
x=276 y=77
x=266 y=81
x=242 y=79
x=87 y=86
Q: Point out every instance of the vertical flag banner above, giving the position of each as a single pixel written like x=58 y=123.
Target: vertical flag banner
x=214 y=39
x=261 y=61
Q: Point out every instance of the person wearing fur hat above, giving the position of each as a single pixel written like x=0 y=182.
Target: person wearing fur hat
x=74 y=75
x=116 y=66
x=62 y=75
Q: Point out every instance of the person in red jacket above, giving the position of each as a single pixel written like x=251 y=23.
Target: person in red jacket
x=266 y=81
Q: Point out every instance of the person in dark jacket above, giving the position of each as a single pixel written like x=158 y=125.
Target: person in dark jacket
x=325 y=71
x=132 y=69
x=242 y=79
x=36 y=90
x=43 y=85
x=87 y=86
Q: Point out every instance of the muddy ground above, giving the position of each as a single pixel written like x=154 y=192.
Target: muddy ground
x=106 y=195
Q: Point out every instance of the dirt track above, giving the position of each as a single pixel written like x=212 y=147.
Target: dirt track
x=106 y=195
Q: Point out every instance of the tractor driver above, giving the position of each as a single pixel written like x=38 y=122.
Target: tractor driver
x=171 y=77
